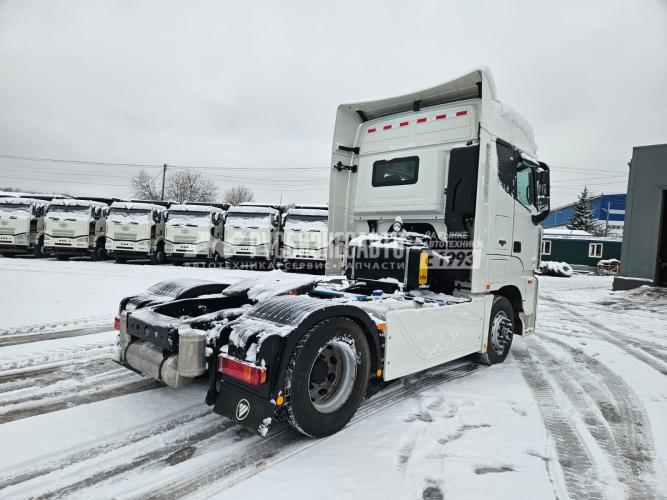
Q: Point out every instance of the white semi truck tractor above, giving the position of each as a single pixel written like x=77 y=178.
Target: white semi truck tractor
x=135 y=230
x=22 y=226
x=252 y=234
x=193 y=232
x=305 y=237
x=434 y=209
x=76 y=227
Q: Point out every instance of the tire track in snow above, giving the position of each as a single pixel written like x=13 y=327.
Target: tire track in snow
x=104 y=450
x=612 y=414
x=23 y=338
x=626 y=419
x=227 y=471
x=576 y=463
x=75 y=396
x=57 y=326
x=652 y=357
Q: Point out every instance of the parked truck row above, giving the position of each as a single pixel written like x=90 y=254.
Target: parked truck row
x=433 y=239
x=159 y=231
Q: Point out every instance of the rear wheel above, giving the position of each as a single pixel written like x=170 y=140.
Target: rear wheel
x=327 y=377
x=501 y=332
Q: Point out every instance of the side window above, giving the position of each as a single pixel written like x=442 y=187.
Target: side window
x=546 y=247
x=595 y=250
x=507 y=162
x=525 y=185
x=396 y=172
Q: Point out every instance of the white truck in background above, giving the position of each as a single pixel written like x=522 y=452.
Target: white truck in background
x=22 y=226
x=194 y=232
x=76 y=227
x=136 y=230
x=435 y=200
x=252 y=234
x=305 y=238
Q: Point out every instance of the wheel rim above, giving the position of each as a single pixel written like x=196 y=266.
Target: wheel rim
x=332 y=376
x=501 y=333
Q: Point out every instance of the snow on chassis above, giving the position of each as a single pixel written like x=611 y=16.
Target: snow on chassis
x=433 y=229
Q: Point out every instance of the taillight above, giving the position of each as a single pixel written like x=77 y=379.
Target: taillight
x=116 y=322
x=240 y=370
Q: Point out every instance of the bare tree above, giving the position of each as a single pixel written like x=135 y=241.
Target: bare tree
x=185 y=185
x=144 y=186
x=238 y=195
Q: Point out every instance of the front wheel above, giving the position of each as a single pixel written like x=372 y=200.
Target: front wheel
x=501 y=332
x=327 y=377
x=39 y=249
x=159 y=256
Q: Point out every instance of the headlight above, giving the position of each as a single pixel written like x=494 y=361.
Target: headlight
x=202 y=247
x=21 y=239
x=323 y=253
x=108 y=245
x=143 y=245
x=168 y=247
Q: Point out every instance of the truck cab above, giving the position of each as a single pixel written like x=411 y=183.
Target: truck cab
x=193 y=232
x=136 y=230
x=251 y=233
x=22 y=226
x=433 y=230
x=305 y=237
x=76 y=227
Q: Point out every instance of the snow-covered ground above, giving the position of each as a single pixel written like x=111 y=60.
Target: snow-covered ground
x=578 y=410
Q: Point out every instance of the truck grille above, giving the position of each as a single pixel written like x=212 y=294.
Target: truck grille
x=185 y=239
x=6 y=230
x=125 y=236
x=62 y=232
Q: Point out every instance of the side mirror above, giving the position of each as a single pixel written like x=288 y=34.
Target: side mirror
x=543 y=191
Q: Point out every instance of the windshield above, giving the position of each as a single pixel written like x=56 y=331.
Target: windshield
x=185 y=218
x=68 y=211
x=315 y=223
x=129 y=215
x=13 y=209
x=248 y=221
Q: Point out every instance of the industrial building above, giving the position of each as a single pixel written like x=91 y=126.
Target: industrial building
x=578 y=248
x=608 y=211
x=644 y=253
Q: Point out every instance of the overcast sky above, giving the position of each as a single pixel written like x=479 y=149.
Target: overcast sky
x=250 y=89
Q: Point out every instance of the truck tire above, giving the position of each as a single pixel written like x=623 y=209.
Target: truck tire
x=501 y=332
x=327 y=377
x=159 y=256
x=39 y=248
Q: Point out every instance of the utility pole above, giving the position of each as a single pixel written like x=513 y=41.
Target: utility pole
x=606 y=225
x=164 y=175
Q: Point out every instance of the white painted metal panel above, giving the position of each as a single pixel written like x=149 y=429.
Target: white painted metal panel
x=417 y=339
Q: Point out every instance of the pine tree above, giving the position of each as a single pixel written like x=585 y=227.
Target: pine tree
x=582 y=215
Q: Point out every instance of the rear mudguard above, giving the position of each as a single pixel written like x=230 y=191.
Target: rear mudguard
x=277 y=325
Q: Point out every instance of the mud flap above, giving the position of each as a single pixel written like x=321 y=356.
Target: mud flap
x=244 y=408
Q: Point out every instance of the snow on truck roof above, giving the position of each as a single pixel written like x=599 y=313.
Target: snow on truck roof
x=23 y=201
x=70 y=202
x=242 y=209
x=496 y=117
x=131 y=205
x=195 y=208
x=319 y=212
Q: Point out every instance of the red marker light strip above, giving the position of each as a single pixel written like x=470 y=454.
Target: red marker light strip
x=404 y=124
x=421 y=120
x=461 y=113
x=386 y=127
x=440 y=117
x=371 y=130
